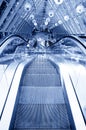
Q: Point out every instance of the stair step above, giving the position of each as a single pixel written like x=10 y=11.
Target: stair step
x=42 y=116
x=41 y=71
x=39 y=129
x=44 y=79
x=41 y=95
x=41 y=103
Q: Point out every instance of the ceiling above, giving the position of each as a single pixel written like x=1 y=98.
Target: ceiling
x=29 y=16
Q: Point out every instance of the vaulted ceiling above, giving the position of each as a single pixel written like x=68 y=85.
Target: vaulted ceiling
x=25 y=16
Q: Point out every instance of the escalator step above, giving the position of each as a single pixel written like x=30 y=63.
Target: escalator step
x=41 y=103
x=39 y=129
x=42 y=116
x=41 y=95
x=44 y=79
x=41 y=71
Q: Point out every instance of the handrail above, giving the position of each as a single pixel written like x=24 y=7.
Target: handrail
x=77 y=39
x=8 y=40
x=82 y=36
x=11 y=36
x=73 y=38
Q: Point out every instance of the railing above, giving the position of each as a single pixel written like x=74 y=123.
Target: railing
x=4 y=81
x=13 y=36
x=8 y=40
x=73 y=37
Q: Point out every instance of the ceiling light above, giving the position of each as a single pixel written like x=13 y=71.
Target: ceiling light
x=34 y=22
x=46 y=23
x=66 y=17
x=56 y=24
x=47 y=19
x=80 y=9
x=17 y=3
x=51 y=13
x=59 y=22
x=32 y=16
x=58 y=2
x=27 y=6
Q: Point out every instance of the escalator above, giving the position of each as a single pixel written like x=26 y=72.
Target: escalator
x=41 y=104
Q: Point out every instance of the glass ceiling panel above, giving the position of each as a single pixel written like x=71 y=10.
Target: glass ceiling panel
x=71 y=14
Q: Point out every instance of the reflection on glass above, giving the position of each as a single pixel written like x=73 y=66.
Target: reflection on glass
x=12 y=46
x=69 y=49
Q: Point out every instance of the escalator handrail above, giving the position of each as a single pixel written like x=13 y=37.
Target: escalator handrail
x=77 y=39
x=82 y=36
x=11 y=36
x=73 y=38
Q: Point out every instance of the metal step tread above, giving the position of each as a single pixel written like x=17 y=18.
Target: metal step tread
x=44 y=79
x=39 y=129
x=41 y=71
x=41 y=95
x=41 y=103
x=42 y=116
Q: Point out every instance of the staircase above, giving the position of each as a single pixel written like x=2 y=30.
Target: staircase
x=41 y=103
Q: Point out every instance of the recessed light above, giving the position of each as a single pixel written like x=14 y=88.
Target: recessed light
x=58 y=2
x=46 y=23
x=66 y=17
x=51 y=13
x=35 y=24
x=59 y=22
x=80 y=9
x=47 y=19
x=27 y=6
x=32 y=16
x=56 y=24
